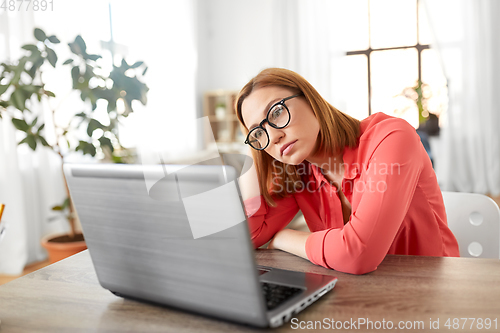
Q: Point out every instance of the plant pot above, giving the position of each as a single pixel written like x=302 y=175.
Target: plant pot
x=62 y=246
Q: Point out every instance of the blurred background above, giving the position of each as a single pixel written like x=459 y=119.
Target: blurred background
x=130 y=82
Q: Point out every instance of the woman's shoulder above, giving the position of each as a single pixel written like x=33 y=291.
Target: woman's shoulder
x=381 y=128
x=380 y=125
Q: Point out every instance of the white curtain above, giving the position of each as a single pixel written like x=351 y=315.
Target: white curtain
x=162 y=36
x=309 y=38
x=466 y=37
x=166 y=42
x=30 y=181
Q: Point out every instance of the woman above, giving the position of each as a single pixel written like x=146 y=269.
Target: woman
x=366 y=189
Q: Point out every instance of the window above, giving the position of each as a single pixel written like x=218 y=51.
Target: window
x=388 y=51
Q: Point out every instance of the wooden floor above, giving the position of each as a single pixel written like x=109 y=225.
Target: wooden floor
x=28 y=269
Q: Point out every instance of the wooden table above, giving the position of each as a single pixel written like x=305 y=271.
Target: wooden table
x=66 y=297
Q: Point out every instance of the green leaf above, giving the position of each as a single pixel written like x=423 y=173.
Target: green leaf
x=49 y=93
x=79 y=47
x=33 y=123
x=124 y=65
x=80 y=145
x=81 y=44
x=81 y=114
x=30 y=140
x=94 y=56
x=111 y=105
x=74 y=48
x=30 y=47
x=69 y=61
x=18 y=70
x=84 y=94
x=86 y=148
x=35 y=55
x=65 y=203
x=93 y=125
x=91 y=150
x=57 y=208
x=137 y=64
x=40 y=35
x=36 y=65
x=25 y=140
x=117 y=159
x=106 y=142
x=145 y=70
x=31 y=88
x=18 y=100
x=75 y=74
x=53 y=39
x=3 y=88
x=28 y=90
x=89 y=72
x=20 y=124
x=51 y=56
x=43 y=141
x=40 y=128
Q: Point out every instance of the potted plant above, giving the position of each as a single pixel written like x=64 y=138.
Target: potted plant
x=22 y=85
x=420 y=94
x=428 y=122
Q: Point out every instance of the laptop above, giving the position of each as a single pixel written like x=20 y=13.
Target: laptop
x=177 y=236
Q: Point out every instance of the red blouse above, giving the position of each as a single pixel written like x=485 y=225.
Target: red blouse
x=397 y=206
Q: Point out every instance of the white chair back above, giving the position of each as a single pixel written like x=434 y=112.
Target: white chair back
x=474 y=219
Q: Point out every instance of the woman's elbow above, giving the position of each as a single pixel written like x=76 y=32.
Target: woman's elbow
x=357 y=268
x=361 y=265
x=258 y=241
x=260 y=238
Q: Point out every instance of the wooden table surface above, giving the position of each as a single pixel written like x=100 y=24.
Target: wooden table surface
x=66 y=297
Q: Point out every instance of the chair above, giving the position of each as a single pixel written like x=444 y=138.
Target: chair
x=474 y=219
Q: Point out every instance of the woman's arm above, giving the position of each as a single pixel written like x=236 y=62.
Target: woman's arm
x=249 y=182
x=264 y=221
x=291 y=241
x=268 y=221
x=361 y=245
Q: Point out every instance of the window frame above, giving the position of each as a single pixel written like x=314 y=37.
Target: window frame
x=368 y=52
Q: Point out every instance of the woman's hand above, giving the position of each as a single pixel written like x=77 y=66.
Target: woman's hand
x=291 y=241
x=249 y=181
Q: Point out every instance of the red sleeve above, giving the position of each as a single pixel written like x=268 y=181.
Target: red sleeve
x=361 y=245
x=266 y=221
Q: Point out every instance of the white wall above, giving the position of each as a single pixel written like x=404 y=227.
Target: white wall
x=234 y=42
x=236 y=39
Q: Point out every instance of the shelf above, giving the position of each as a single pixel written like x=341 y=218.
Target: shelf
x=218 y=106
x=226 y=118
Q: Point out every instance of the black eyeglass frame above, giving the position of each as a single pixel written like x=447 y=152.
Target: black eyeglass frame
x=281 y=102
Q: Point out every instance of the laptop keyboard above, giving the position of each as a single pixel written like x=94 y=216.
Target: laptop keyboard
x=275 y=294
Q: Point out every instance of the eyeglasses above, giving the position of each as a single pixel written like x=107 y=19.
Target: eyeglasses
x=278 y=117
